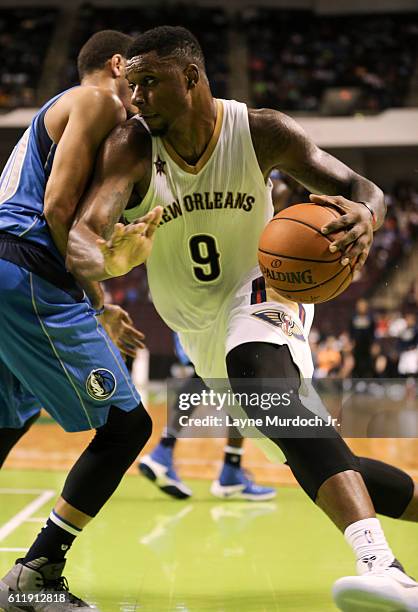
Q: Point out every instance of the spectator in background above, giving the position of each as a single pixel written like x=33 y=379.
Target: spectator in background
x=408 y=347
x=280 y=192
x=397 y=324
x=362 y=330
x=384 y=363
x=347 y=357
x=411 y=300
x=328 y=358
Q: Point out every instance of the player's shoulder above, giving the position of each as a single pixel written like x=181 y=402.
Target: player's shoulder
x=272 y=133
x=266 y=119
x=129 y=144
x=131 y=134
x=96 y=99
x=95 y=110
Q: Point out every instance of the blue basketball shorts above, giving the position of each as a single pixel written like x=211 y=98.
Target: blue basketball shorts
x=55 y=354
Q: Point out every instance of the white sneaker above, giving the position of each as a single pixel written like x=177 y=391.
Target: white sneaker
x=388 y=590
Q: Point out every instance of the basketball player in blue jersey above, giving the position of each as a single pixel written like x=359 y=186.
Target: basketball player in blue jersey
x=207 y=162
x=54 y=350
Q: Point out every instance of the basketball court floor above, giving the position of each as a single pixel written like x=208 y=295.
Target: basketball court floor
x=146 y=552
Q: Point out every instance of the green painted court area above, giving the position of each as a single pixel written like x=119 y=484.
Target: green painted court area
x=146 y=552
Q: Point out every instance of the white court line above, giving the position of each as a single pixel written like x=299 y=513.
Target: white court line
x=24 y=514
x=21 y=491
x=13 y=549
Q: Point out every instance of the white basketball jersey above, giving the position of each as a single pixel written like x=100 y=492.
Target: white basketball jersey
x=206 y=246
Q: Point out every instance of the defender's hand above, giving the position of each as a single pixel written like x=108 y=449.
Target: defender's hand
x=121 y=330
x=358 y=225
x=129 y=245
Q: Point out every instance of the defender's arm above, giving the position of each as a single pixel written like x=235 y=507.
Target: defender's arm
x=93 y=114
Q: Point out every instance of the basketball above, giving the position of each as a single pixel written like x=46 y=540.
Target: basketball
x=294 y=255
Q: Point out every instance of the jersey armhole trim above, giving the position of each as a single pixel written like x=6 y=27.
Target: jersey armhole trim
x=149 y=193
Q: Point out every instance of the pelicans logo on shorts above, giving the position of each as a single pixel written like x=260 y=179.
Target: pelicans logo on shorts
x=281 y=319
x=101 y=384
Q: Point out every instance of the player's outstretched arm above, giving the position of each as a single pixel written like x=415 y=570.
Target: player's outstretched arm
x=99 y=247
x=280 y=142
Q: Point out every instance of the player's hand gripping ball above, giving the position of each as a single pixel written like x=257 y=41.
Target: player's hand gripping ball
x=294 y=255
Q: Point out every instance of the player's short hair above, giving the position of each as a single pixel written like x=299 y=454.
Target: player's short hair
x=169 y=40
x=99 y=48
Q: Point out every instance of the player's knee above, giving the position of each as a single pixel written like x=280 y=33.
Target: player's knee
x=391 y=489
x=137 y=429
x=126 y=433
x=99 y=470
x=140 y=423
x=315 y=460
x=313 y=452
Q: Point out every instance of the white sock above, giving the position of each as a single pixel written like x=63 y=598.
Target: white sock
x=368 y=541
x=233 y=450
x=233 y=455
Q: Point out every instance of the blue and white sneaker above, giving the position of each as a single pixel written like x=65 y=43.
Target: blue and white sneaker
x=158 y=467
x=234 y=483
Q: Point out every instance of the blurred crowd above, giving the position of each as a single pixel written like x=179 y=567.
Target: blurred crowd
x=393 y=242
x=401 y=226
x=294 y=56
x=375 y=345
x=25 y=34
x=209 y=24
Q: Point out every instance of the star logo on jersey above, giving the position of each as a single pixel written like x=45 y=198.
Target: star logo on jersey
x=159 y=165
x=281 y=319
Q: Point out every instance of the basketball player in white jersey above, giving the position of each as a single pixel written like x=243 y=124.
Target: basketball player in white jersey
x=233 y=481
x=207 y=162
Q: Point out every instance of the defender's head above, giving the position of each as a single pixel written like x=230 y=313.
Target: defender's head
x=105 y=53
x=165 y=66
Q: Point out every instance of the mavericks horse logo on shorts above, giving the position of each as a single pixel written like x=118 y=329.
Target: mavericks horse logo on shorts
x=281 y=319
x=101 y=384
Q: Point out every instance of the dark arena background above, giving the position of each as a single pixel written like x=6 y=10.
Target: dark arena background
x=347 y=71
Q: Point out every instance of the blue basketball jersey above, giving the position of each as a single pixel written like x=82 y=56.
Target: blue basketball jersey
x=53 y=351
x=23 y=182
